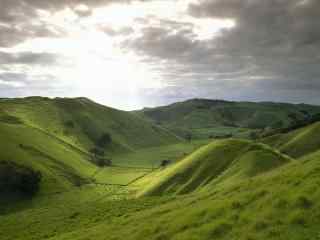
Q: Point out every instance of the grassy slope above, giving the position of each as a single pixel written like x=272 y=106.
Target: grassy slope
x=33 y=132
x=64 y=167
x=199 y=114
x=297 y=143
x=220 y=161
x=281 y=204
x=278 y=204
x=89 y=121
x=60 y=166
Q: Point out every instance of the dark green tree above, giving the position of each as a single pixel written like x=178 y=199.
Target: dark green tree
x=104 y=141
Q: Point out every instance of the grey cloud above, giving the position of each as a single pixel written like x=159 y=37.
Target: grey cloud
x=15 y=11
x=268 y=23
x=14 y=8
x=12 y=34
x=279 y=39
x=28 y=58
x=10 y=77
x=24 y=78
x=22 y=84
x=17 y=17
x=167 y=40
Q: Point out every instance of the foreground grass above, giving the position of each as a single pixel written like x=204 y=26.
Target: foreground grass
x=50 y=215
x=281 y=204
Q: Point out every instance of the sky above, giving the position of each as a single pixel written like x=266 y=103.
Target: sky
x=133 y=54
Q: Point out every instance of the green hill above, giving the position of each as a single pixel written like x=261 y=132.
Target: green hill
x=61 y=166
x=228 y=189
x=55 y=136
x=81 y=122
x=297 y=143
x=280 y=204
x=218 y=162
x=213 y=118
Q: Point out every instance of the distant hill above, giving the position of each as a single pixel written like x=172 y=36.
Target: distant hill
x=219 y=162
x=202 y=117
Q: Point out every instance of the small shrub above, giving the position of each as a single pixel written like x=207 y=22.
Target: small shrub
x=104 y=141
x=250 y=238
x=161 y=236
x=69 y=124
x=165 y=163
x=281 y=203
x=103 y=162
x=298 y=219
x=221 y=229
x=236 y=205
x=254 y=135
x=74 y=215
x=304 y=203
x=297 y=182
x=10 y=119
x=261 y=225
x=274 y=233
x=97 y=152
x=235 y=217
x=188 y=137
x=261 y=194
x=15 y=178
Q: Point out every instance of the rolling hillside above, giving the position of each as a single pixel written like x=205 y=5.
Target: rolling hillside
x=210 y=118
x=297 y=143
x=61 y=166
x=217 y=163
x=282 y=203
x=227 y=189
x=82 y=122
x=64 y=167
x=55 y=137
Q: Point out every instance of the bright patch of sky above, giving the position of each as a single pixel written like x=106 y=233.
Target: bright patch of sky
x=94 y=63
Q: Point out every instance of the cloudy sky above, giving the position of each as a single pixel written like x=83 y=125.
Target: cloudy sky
x=130 y=54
